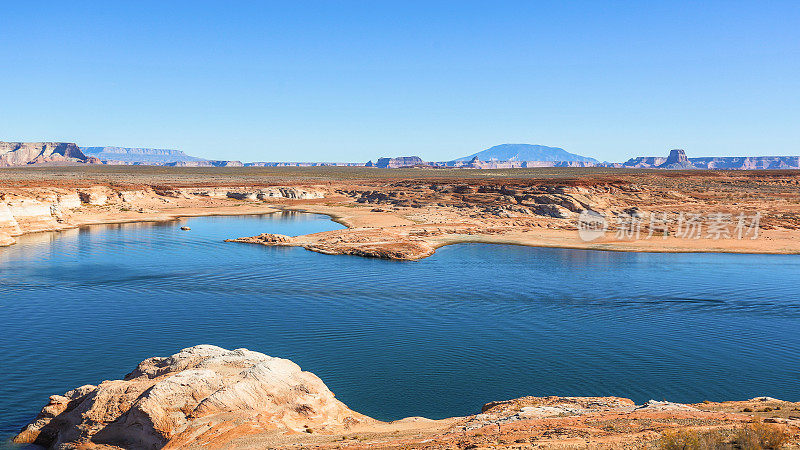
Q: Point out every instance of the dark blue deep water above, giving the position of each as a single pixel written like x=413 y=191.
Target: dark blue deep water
x=436 y=338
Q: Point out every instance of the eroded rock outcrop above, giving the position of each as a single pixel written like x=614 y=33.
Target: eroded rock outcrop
x=200 y=393
x=368 y=243
x=8 y=223
x=266 y=239
x=20 y=153
x=96 y=196
x=399 y=249
x=6 y=239
x=31 y=213
x=294 y=193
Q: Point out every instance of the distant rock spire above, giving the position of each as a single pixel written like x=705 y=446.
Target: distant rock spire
x=677 y=160
x=677 y=156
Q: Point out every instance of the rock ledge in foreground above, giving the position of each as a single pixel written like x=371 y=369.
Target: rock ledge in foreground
x=200 y=392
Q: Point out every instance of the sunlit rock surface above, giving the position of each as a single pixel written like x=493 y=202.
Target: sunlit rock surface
x=201 y=391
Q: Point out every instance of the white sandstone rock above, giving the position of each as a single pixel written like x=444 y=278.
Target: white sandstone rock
x=173 y=400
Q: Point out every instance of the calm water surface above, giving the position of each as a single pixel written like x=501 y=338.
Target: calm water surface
x=436 y=338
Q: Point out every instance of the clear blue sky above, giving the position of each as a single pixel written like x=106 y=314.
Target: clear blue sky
x=354 y=80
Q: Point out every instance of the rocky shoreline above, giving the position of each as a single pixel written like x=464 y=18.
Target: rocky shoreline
x=206 y=396
x=53 y=208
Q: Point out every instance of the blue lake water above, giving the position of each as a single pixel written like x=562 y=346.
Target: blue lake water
x=436 y=338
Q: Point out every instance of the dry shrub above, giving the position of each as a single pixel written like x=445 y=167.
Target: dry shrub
x=762 y=436
x=690 y=439
x=755 y=436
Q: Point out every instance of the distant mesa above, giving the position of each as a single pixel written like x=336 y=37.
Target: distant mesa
x=301 y=164
x=747 y=162
x=509 y=156
x=476 y=163
x=505 y=156
x=61 y=153
x=126 y=155
x=402 y=161
x=205 y=163
x=526 y=152
x=677 y=159
x=154 y=157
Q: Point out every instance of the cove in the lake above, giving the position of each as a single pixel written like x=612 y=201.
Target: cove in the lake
x=435 y=338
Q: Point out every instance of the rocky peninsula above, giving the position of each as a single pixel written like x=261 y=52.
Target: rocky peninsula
x=209 y=397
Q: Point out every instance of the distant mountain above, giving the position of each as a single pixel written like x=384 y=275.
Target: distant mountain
x=526 y=152
x=139 y=155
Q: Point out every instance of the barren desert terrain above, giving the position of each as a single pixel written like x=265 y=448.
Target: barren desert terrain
x=408 y=213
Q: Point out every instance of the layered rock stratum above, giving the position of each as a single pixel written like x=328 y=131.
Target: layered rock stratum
x=209 y=397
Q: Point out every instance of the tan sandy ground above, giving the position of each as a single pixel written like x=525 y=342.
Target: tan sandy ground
x=602 y=425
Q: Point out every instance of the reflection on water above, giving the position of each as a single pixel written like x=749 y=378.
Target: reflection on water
x=437 y=337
